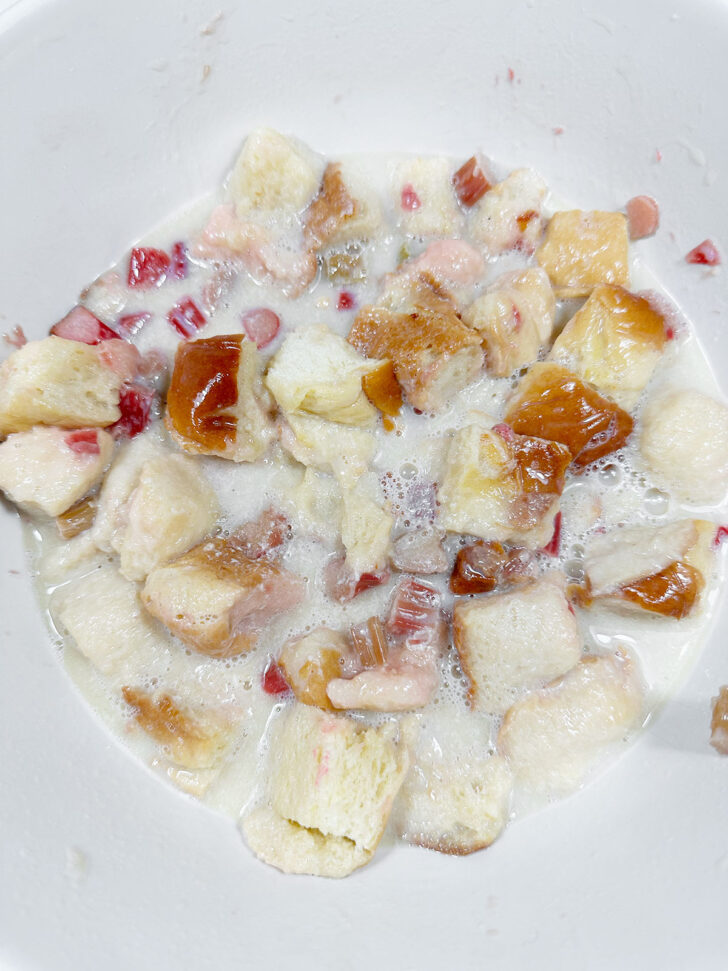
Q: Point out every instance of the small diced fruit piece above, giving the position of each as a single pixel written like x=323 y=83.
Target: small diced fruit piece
x=447 y=262
x=272 y=173
x=553 y=736
x=42 y=471
x=470 y=182
x=684 y=443
x=216 y=403
x=57 y=382
x=316 y=372
x=148 y=267
x=502 y=486
x=509 y=643
x=78 y=518
x=643 y=217
x=216 y=599
x=704 y=254
x=261 y=325
x=265 y=536
x=509 y=216
x=80 y=324
x=310 y=662
x=186 y=317
x=369 y=642
x=193 y=738
x=515 y=318
x=614 y=341
x=343 y=210
x=481 y=567
x=343 y=584
x=719 y=722
x=433 y=353
x=583 y=249
x=552 y=402
x=332 y=785
x=420 y=551
x=273 y=681
x=415 y=608
x=424 y=200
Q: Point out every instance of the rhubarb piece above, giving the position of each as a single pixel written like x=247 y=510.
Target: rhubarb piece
x=719 y=722
x=57 y=382
x=129 y=325
x=684 y=443
x=470 y=182
x=135 y=404
x=509 y=643
x=420 y=551
x=515 y=318
x=148 y=267
x=409 y=200
x=261 y=326
x=509 y=215
x=382 y=388
x=42 y=471
x=614 y=342
x=369 y=642
x=553 y=547
x=272 y=173
x=265 y=537
x=186 y=317
x=449 y=262
x=583 y=249
x=552 y=402
x=80 y=324
x=415 y=607
x=424 y=199
x=16 y=338
x=273 y=681
x=345 y=301
x=643 y=217
x=553 y=736
x=216 y=404
x=342 y=584
x=310 y=662
x=502 y=487
x=704 y=254
x=77 y=518
x=178 y=266
x=481 y=567
x=216 y=599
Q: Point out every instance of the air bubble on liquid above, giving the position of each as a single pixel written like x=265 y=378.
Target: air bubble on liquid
x=574 y=570
x=577 y=551
x=408 y=470
x=610 y=475
x=656 y=502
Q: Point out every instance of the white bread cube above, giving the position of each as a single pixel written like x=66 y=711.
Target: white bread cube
x=272 y=173
x=684 y=443
x=583 y=249
x=614 y=341
x=335 y=778
x=438 y=213
x=553 y=736
x=316 y=505
x=310 y=662
x=57 y=382
x=365 y=530
x=328 y=446
x=317 y=372
x=515 y=317
x=509 y=215
x=41 y=473
x=509 y=643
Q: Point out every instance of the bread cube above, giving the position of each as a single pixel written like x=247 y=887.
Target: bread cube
x=334 y=778
x=317 y=372
x=614 y=341
x=435 y=211
x=344 y=209
x=501 y=486
x=684 y=444
x=57 y=382
x=514 y=317
x=553 y=736
x=310 y=662
x=509 y=216
x=583 y=249
x=121 y=480
x=662 y=569
x=42 y=470
x=433 y=353
x=192 y=737
x=216 y=403
x=550 y=401
x=509 y=643
x=719 y=722
x=272 y=173
x=365 y=530
x=343 y=450
x=216 y=599
x=315 y=505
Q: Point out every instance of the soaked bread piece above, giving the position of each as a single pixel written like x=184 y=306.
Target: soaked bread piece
x=583 y=249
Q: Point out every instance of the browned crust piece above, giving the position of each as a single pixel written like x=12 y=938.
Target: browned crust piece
x=332 y=207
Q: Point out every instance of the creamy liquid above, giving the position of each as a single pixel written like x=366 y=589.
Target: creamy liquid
x=667 y=650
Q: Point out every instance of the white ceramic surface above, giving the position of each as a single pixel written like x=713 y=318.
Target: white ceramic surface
x=106 y=126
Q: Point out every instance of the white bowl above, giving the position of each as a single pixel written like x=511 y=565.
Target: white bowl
x=106 y=127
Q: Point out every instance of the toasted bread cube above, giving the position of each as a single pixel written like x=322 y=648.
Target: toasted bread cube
x=553 y=736
x=102 y=613
x=614 y=342
x=216 y=403
x=515 y=318
x=272 y=173
x=317 y=372
x=57 y=382
x=216 y=599
x=509 y=216
x=41 y=471
x=719 y=722
x=328 y=446
x=344 y=209
x=509 y=643
x=552 y=402
x=583 y=249
x=502 y=488
x=365 y=530
x=435 y=211
x=662 y=569
x=433 y=353
x=195 y=738
x=334 y=778
x=310 y=662
x=684 y=443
